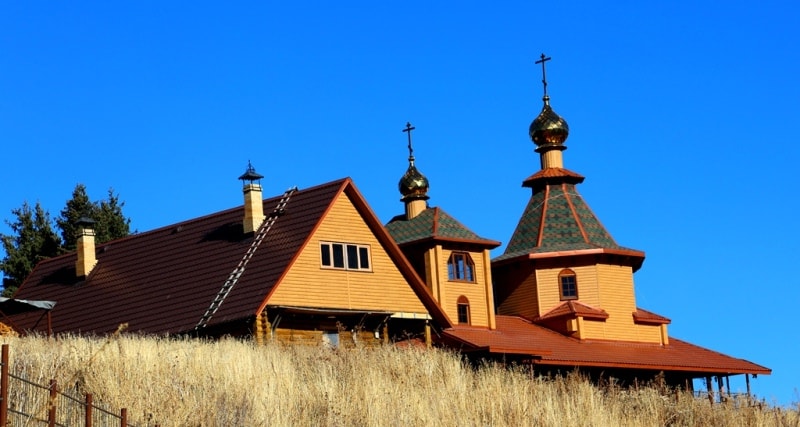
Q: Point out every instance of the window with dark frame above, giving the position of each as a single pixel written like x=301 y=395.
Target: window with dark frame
x=345 y=256
x=460 y=267
x=463 y=310
x=569 y=284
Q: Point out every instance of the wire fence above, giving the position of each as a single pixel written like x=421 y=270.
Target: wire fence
x=24 y=403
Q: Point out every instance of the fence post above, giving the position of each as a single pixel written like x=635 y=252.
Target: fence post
x=123 y=417
x=51 y=413
x=4 y=387
x=89 y=408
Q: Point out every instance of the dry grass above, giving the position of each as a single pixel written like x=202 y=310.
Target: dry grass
x=235 y=383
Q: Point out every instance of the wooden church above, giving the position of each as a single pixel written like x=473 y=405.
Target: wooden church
x=316 y=266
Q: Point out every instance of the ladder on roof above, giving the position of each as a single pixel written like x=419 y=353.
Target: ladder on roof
x=237 y=272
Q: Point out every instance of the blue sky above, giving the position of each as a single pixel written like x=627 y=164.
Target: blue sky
x=683 y=118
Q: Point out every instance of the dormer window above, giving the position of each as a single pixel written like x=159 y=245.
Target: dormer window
x=344 y=256
x=460 y=267
x=568 y=282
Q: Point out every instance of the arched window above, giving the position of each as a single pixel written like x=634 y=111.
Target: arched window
x=568 y=282
x=463 y=310
x=460 y=267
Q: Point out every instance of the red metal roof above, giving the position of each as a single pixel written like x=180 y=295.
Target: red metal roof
x=515 y=335
x=649 y=318
x=162 y=281
x=574 y=309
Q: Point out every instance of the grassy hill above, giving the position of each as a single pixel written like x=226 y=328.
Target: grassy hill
x=235 y=383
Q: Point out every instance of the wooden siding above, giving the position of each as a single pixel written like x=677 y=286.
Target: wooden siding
x=307 y=284
x=605 y=286
x=549 y=288
x=347 y=339
x=618 y=300
x=523 y=300
x=475 y=292
x=488 y=290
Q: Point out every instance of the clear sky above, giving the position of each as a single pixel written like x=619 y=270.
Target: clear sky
x=683 y=118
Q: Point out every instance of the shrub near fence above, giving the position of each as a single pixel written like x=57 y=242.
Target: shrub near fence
x=27 y=403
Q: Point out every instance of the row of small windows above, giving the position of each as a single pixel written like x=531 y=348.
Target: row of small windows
x=345 y=256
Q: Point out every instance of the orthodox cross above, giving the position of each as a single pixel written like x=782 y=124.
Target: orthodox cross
x=544 y=72
x=408 y=129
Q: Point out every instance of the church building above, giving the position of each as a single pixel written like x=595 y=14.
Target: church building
x=315 y=265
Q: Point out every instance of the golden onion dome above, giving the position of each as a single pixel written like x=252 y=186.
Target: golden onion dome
x=548 y=129
x=413 y=183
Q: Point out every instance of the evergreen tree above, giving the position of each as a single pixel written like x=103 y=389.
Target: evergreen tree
x=32 y=240
x=77 y=207
x=110 y=222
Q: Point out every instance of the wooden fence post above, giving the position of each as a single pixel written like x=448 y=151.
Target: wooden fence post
x=51 y=413
x=89 y=408
x=4 y=387
x=123 y=417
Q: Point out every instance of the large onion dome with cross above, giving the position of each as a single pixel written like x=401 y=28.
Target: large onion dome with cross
x=557 y=221
x=413 y=184
x=548 y=130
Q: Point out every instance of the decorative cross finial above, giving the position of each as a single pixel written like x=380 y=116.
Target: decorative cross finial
x=408 y=129
x=544 y=73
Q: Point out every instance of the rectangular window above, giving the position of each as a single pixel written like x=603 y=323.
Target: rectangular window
x=345 y=256
x=460 y=267
x=338 y=255
x=463 y=313
x=569 y=287
x=352 y=257
x=363 y=258
x=330 y=338
x=325 y=252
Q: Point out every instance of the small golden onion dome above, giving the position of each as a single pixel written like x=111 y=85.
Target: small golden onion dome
x=548 y=129
x=413 y=184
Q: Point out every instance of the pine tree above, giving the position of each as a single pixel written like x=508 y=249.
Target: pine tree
x=110 y=222
x=32 y=240
x=77 y=207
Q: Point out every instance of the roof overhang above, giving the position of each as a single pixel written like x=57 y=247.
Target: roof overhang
x=484 y=243
x=699 y=371
x=321 y=311
x=11 y=306
x=469 y=347
x=636 y=257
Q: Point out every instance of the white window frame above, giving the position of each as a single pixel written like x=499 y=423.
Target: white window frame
x=361 y=253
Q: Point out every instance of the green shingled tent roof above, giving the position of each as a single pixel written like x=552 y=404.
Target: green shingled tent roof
x=557 y=219
x=433 y=224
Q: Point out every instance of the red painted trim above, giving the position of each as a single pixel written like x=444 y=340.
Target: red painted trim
x=417 y=284
x=575 y=213
x=490 y=244
x=544 y=215
x=435 y=224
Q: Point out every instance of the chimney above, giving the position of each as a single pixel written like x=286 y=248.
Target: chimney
x=253 y=200
x=86 y=254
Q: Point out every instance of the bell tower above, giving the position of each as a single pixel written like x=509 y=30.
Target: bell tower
x=453 y=261
x=562 y=269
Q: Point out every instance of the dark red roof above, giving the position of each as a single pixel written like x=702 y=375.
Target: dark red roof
x=574 y=309
x=515 y=335
x=162 y=281
x=649 y=318
x=549 y=173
